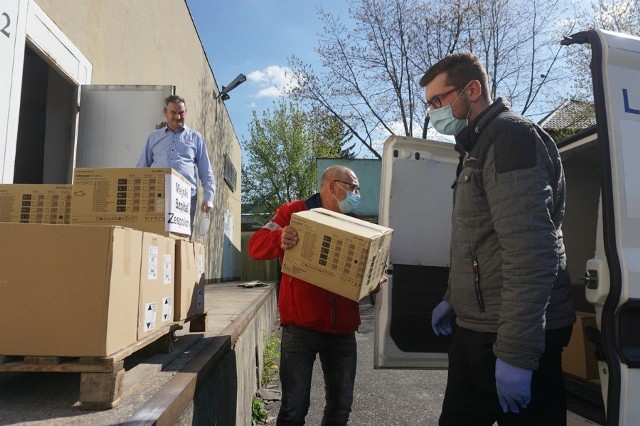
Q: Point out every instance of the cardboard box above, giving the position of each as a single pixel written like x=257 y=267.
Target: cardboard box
x=37 y=203
x=68 y=290
x=190 y=277
x=156 y=284
x=155 y=200
x=337 y=252
x=578 y=358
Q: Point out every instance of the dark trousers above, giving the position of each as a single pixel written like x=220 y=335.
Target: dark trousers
x=193 y=210
x=338 y=356
x=471 y=398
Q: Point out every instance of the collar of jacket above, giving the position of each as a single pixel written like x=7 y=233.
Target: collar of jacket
x=314 y=201
x=466 y=139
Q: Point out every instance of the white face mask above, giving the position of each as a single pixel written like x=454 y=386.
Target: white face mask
x=443 y=120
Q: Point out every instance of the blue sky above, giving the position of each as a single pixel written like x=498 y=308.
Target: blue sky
x=256 y=38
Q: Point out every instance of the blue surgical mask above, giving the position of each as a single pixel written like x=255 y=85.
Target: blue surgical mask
x=443 y=120
x=350 y=203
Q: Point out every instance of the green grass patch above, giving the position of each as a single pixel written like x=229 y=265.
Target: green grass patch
x=258 y=411
x=271 y=356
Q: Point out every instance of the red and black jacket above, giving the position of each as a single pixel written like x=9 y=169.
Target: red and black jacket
x=300 y=303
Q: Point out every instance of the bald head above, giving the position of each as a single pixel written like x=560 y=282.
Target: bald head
x=337 y=172
x=335 y=183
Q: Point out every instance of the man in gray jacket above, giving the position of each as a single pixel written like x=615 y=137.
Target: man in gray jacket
x=508 y=287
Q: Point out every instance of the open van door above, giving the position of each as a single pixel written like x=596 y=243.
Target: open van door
x=612 y=275
x=416 y=201
x=601 y=234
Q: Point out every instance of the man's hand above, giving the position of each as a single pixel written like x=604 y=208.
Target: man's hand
x=206 y=206
x=289 y=238
x=513 y=385
x=441 y=319
x=383 y=279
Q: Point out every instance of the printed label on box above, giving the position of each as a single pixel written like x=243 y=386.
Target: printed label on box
x=167 y=309
x=200 y=265
x=168 y=269
x=179 y=206
x=150 y=310
x=152 y=272
x=35 y=203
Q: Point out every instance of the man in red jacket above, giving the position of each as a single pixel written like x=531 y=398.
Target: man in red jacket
x=314 y=320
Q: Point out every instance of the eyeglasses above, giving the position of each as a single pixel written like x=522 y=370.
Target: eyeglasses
x=352 y=186
x=436 y=101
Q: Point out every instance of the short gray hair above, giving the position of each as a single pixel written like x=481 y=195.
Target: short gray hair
x=174 y=99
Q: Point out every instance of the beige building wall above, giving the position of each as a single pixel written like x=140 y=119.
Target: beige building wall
x=154 y=42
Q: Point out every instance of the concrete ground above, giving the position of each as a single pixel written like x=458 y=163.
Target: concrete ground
x=381 y=397
x=52 y=398
x=384 y=397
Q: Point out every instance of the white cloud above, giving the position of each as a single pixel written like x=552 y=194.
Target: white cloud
x=269 y=92
x=272 y=81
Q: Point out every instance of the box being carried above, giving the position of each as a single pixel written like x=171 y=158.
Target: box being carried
x=155 y=200
x=35 y=203
x=339 y=253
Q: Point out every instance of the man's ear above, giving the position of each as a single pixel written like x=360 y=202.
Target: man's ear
x=474 y=90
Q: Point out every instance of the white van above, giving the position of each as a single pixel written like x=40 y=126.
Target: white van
x=601 y=234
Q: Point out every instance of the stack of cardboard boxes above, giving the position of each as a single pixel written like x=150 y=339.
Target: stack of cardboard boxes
x=26 y=203
x=97 y=265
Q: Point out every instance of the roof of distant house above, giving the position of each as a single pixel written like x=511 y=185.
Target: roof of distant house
x=572 y=114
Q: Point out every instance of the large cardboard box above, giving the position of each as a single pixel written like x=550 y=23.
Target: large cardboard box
x=68 y=290
x=189 y=293
x=35 y=203
x=155 y=200
x=578 y=358
x=337 y=252
x=156 y=284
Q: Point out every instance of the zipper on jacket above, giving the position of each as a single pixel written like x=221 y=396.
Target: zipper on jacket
x=333 y=314
x=476 y=284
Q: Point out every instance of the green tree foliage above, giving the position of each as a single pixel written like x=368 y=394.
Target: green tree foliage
x=282 y=152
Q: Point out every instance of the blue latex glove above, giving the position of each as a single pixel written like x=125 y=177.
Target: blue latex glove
x=441 y=319
x=513 y=385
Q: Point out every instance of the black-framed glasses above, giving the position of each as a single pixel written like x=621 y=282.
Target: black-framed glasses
x=352 y=186
x=436 y=102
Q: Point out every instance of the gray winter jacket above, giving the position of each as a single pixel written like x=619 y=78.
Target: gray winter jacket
x=508 y=260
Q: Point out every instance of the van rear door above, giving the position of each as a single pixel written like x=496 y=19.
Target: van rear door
x=416 y=201
x=613 y=274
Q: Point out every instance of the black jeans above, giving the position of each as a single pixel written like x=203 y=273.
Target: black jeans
x=471 y=398
x=338 y=357
x=193 y=210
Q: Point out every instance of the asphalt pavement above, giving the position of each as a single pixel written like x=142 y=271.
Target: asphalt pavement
x=381 y=397
x=385 y=397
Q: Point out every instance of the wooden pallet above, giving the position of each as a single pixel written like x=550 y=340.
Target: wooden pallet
x=102 y=379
